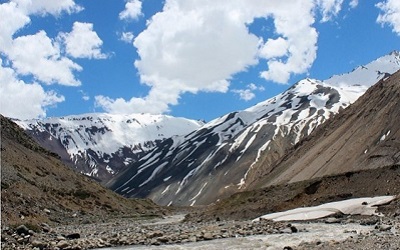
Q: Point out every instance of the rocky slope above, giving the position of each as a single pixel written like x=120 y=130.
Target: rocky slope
x=37 y=187
x=364 y=136
x=228 y=153
x=100 y=145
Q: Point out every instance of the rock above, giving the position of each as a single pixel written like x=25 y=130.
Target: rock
x=60 y=238
x=45 y=227
x=46 y=211
x=62 y=244
x=154 y=234
x=208 y=236
x=73 y=236
x=154 y=242
x=192 y=238
x=286 y=231
x=384 y=227
x=294 y=229
x=123 y=240
x=332 y=220
x=163 y=239
x=20 y=240
x=369 y=222
x=39 y=244
x=22 y=229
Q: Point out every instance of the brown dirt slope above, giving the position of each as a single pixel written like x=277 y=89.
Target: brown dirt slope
x=252 y=204
x=356 y=154
x=366 y=135
x=36 y=187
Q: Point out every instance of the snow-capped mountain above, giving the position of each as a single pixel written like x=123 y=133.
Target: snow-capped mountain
x=365 y=136
x=226 y=154
x=100 y=145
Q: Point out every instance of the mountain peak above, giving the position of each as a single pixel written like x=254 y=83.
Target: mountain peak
x=369 y=74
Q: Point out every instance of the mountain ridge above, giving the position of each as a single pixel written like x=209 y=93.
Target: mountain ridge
x=366 y=136
x=216 y=160
x=99 y=144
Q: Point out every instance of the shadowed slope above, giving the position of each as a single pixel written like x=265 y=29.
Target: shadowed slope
x=36 y=187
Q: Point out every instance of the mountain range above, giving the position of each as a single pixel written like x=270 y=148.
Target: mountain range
x=226 y=154
x=191 y=163
x=100 y=145
x=355 y=154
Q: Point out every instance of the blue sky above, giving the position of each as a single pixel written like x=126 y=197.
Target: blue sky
x=198 y=59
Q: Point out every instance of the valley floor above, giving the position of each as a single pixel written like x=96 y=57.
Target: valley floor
x=173 y=232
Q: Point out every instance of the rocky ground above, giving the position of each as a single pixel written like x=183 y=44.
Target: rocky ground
x=45 y=205
x=384 y=233
x=127 y=231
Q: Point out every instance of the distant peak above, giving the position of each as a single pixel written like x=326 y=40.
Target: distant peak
x=394 y=53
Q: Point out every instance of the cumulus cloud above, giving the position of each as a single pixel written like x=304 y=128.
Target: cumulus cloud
x=13 y=92
x=83 y=42
x=36 y=57
x=390 y=14
x=132 y=11
x=274 y=48
x=39 y=56
x=248 y=93
x=193 y=46
x=44 y=7
x=127 y=37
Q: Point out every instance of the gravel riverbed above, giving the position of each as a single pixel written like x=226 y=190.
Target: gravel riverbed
x=346 y=232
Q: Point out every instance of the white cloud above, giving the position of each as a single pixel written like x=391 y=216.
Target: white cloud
x=132 y=11
x=248 y=93
x=83 y=42
x=14 y=92
x=194 y=46
x=12 y=19
x=85 y=96
x=300 y=39
x=390 y=15
x=43 y=7
x=353 y=4
x=127 y=37
x=36 y=56
x=330 y=8
x=274 y=48
x=40 y=56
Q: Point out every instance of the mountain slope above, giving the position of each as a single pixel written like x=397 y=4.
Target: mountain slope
x=355 y=154
x=100 y=145
x=223 y=156
x=364 y=136
x=36 y=187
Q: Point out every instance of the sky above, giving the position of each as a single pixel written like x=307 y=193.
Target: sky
x=198 y=59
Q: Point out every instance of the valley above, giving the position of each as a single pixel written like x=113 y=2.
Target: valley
x=318 y=142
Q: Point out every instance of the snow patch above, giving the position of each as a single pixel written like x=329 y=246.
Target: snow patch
x=362 y=206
